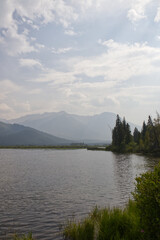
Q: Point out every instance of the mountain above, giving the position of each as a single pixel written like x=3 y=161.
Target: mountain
x=96 y=128
x=18 y=135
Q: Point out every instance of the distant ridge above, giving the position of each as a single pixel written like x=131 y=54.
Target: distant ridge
x=96 y=128
x=18 y=135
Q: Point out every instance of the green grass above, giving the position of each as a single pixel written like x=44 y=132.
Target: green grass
x=23 y=237
x=107 y=224
x=83 y=230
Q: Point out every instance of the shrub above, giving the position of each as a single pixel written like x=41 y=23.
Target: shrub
x=147 y=197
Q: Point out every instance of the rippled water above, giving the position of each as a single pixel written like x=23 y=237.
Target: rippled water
x=41 y=189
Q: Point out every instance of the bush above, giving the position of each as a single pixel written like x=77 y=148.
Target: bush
x=132 y=147
x=147 y=197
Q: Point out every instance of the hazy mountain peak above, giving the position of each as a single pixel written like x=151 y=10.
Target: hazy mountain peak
x=71 y=126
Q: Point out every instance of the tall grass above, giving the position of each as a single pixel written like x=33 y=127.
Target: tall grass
x=23 y=237
x=84 y=230
x=107 y=224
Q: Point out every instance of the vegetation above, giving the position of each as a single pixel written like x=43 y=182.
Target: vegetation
x=147 y=198
x=96 y=148
x=139 y=220
x=23 y=237
x=111 y=224
x=45 y=147
x=145 y=141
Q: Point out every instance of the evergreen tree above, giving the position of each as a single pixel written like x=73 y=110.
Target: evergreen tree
x=157 y=129
x=148 y=140
x=153 y=134
x=136 y=136
x=143 y=132
x=124 y=124
x=150 y=123
x=117 y=134
x=128 y=136
x=121 y=134
x=147 y=146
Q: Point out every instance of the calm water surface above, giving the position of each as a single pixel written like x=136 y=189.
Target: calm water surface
x=41 y=189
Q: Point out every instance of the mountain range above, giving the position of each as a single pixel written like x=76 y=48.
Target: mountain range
x=18 y=135
x=87 y=129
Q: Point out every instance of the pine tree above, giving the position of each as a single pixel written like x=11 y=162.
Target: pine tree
x=136 y=135
x=128 y=136
x=157 y=129
x=117 y=133
x=121 y=134
x=143 y=132
x=153 y=134
x=148 y=140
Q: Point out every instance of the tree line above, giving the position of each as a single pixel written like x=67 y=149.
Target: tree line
x=146 y=141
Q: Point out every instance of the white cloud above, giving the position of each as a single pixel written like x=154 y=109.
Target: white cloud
x=55 y=77
x=137 y=10
x=34 y=13
x=134 y=16
x=6 y=13
x=81 y=80
x=7 y=88
x=157 y=38
x=21 y=107
x=5 y=108
x=118 y=63
x=15 y=43
x=44 y=11
x=157 y=17
x=61 y=50
x=26 y=62
x=40 y=46
x=35 y=91
x=108 y=76
x=70 y=32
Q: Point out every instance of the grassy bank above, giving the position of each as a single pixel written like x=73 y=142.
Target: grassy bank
x=139 y=220
x=133 y=148
x=111 y=224
x=23 y=237
x=45 y=147
x=96 y=148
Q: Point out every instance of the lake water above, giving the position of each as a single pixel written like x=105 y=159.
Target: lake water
x=41 y=189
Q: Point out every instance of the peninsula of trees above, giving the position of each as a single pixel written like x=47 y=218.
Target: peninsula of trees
x=145 y=141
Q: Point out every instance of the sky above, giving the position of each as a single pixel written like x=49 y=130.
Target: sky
x=80 y=56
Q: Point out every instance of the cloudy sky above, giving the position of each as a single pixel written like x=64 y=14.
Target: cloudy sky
x=80 y=56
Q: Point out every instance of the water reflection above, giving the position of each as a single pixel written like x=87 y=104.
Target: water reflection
x=126 y=168
x=123 y=176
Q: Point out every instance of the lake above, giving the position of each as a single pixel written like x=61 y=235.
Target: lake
x=41 y=189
